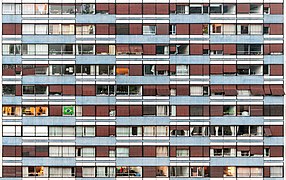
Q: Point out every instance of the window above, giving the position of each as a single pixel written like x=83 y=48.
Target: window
x=172 y=29
x=229 y=8
x=196 y=9
x=85 y=152
x=149 y=29
x=182 y=153
x=106 y=70
x=41 y=9
x=162 y=171
x=104 y=90
x=105 y=171
x=179 y=171
x=8 y=90
x=217 y=28
x=162 y=50
x=128 y=171
x=86 y=9
x=276 y=171
x=55 y=29
x=68 y=9
x=162 y=152
x=35 y=171
x=199 y=91
x=11 y=111
x=243 y=110
x=122 y=29
x=62 y=171
x=229 y=171
x=55 y=9
x=122 y=152
x=256 y=8
x=182 y=9
x=229 y=110
x=149 y=69
x=85 y=130
x=182 y=70
x=85 y=49
x=199 y=171
x=11 y=49
x=199 y=131
x=61 y=151
x=28 y=9
x=11 y=8
x=88 y=171
x=249 y=172
x=216 y=9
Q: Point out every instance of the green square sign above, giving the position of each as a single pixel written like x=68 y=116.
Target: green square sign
x=68 y=110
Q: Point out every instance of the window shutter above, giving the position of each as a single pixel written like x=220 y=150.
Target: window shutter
x=135 y=110
x=196 y=151
x=135 y=70
x=196 y=49
x=183 y=110
x=266 y=171
x=102 y=131
x=149 y=151
x=256 y=110
x=162 y=8
x=149 y=90
x=257 y=90
x=230 y=90
x=243 y=8
x=276 y=151
x=102 y=110
x=216 y=171
x=276 y=48
x=277 y=90
x=18 y=90
x=78 y=90
x=217 y=89
x=88 y=90
x=276 y=29
x=216 y=69
x=122 y=8
x=149 y=49
x=256 y=150
x=135 y=151
x=196 y=29
x=102 y=29
x=69 y=90
x=149 y=172
x=276 y=130
x=196 y=69
x=55 y=88
x=18 y=29
x=135 y=8
x=88 y=110
x=162 y=29
x=8 y=29
x=216 y=110
x=55 y=110
x=163 y=90
x=216 y=47
x=229 y=68
x=276 y=8
x=276 y=70
x=135 y=29
x=102 y=151
x=229 y=49
x=183 y=90
x=122 y=110
x=78 y=172
x=149 y=9
x=162 y=67
x=182 y=29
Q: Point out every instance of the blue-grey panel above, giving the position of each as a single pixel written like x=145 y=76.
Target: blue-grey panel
x=236 y=39
x=220 y=79
x=94 y=141
x=236 y=161
x=43 y=161
x=16 y=100
x=189 y=59
x=232 y=120
x=180 y=178
x=146 y=120
x=274 y=100
x=142 y=79
x=98 y=59
x=142 y=161
x=187 y=100
x=271 y=18
x=11 y=59
x=82 y=100
x=184 y=18
x=184 y=141
x=11 y=18
x=48 y=79
x=273 y=140
x=273 y=59
x=272 y=178
x=48 y=120
x=48 y=39
x=98 y=18
x=142 y=39
x=12 y=140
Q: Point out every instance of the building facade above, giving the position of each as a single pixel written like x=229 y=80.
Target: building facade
x=142 y=89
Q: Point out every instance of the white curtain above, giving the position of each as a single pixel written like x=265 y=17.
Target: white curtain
x=9 y=131
x=41 y=130
x=28 y=130
x=25 y=172
x=8 y=8
x=31 y=49
x=89 y=131
x=67 y=172
x=17 y=8
x=88 y=152
x=68 y=29
x=28 y=29
x=182 y=153
x=232 y=152
x=41 y=29
x=100 y=172
x=259 y=131
x=55 y=131
x=68 y=151
x=88 y=172
x=68 y=131
x=28 y=8
x=162 y=130
x=182 y=70
x=122 y=152
x=55 y=151
x=55 y=172
x=122 y=131
x=196 y=90
x=162 y=151
x=173 y=110
x=162 y=111
x=276 y=171
x=78 y=110
x=256 y=29
x=149 y=131
x=243 y=172
x=256 y=172
x=42 y=49
x=229 y=29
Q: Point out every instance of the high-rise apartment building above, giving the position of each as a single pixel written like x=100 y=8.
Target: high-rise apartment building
x=170 y=89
